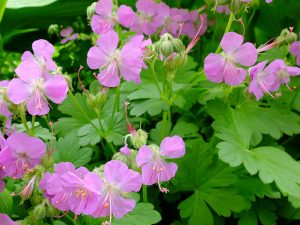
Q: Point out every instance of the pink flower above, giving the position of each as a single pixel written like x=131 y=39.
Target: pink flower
x=118 y=182
x=262 y=79
x=5 y=220
x=103 y=21
x=146 y=21
x=22 y=154
x=68 y=35
x=223 y=9
x=3 y=145
x=268 y=79
x=83 y=197
x=3 y=104
x=113 y=62
x=35 y=85
x=152 y=160
x=51 y=184
x=225 y=66
x=295 y=50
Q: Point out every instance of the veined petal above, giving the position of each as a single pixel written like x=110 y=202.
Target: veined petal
x=246 y=55
x=42 y=47
x=37 y=104
x=108 y=42
x=18 y=91
x=168 y=173
x=121 y=206
x=125 y=15
x=56 y=89
x=109 y=77
x=172 y=147
x=231 y=41
x=233 y=75
x=104 y=8
x=144 y=155
x=214 y=65
x=28 y=71
x=96 y=58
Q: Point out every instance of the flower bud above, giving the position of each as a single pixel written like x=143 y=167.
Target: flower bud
x=53 y=29
x=51 y=210
x=168 y=45
x=121 y=157
x=139 y=138
x=68 y=80
x=287 y=35
x=47 y=162
x=40 y=211
x=175 y=61
x=90 y=11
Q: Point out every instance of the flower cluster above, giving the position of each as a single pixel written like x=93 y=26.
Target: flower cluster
x=19 y=154
x=229 y=66
x=37 y=80
x=88 y=193
x=114 y=62
x=151 y=17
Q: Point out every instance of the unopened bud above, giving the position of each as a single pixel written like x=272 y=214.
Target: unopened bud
x=40 y=211
x=139 y=138
x=53 y=29
x=287 y=35
x=90 y=11
x=175 y=61
x=51 y=210
x=121 y=157
x=68 y=80
x=168 y=45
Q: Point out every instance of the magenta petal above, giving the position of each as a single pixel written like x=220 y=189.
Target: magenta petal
x=214 y=66
x=293 y=71
x=93 y=182
x=42 y=47
x=117 y=173
x=168 y=173
x=5 y=220
x=109 y=76
x=234 y=75
x=64 y=167
x=255 y=88
x=295 y=48
x=144 y=155
x=246 y=55
x=56 y=89
x=27 y=56
x=121 y=206
x=172 y=147
x=66 y=32
x=104 y=7
x=100 y=25
x=255 y=70
x=131 y=72
x=96 y=58
x=149 y=175
x=28 y=71
x=125 y=15
x=108 y=42
x=231 y=41
x=17 y=91
x=37 y=104
x=2 y=185
x=19 y=142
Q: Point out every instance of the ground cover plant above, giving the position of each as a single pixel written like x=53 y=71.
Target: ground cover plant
x=149 y=112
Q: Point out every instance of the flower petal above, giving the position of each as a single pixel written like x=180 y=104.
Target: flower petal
x=214 y=67
x=108 y=42
x=42 y=47
x=246 y=55
x=56 y=89
x=125 y=15
x=109 y=76
x=17 y=91
x=234 y=75
x=231 y=41
x=96 y=58
x=37 y=104
x=28 y=71
x=172 y=147
x=144 y=155
x=121 y=206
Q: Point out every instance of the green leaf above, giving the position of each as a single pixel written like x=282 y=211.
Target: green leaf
x=88 y=134
x=274 y=53
x=67 y=149
x=15 y=4
x=213 y=184
x=262 y=210
x=6 y=202
x=236 y=127
x=152 y=106
x=143 y=214
x=76 y=107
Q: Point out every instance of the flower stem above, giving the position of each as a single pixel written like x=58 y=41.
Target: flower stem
x=145 y=194
x=164 y=124
x=116 y=106
x=230 y=20
x=113 y=149
x=155 y=78
x=23 y=119
x=32 y=123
